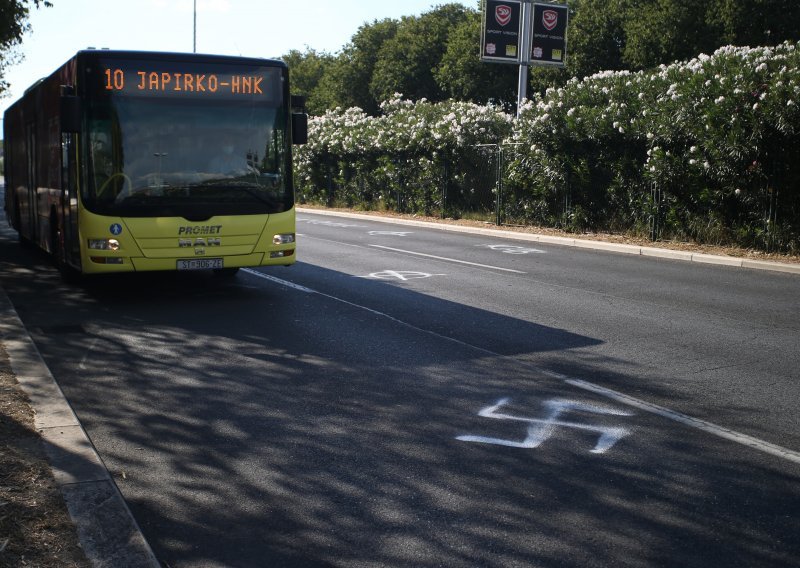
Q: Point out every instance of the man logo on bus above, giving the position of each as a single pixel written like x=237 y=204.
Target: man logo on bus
x=502 y=14
x=549 y=19
x=116 y=229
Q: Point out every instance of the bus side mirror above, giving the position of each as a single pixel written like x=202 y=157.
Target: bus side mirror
x=299 y=128
x=70 y=113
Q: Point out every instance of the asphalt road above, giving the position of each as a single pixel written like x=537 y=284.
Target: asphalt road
x=407 y=397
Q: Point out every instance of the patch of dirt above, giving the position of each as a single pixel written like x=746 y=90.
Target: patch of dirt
x=605 y=237
x=35 y=527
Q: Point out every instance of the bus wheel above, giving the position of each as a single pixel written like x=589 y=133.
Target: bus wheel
x=226 y=272
x=68 y=274
x=55 y=240
x=23 y=240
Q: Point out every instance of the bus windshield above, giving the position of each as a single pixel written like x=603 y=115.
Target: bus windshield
x=193 y=156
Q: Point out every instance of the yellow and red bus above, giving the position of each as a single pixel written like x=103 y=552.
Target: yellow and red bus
x=124 y=161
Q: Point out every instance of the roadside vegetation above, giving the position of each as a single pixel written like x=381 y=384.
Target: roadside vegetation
x=659 y=127
x=704 y=150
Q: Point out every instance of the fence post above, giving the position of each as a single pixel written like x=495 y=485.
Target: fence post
x=330 y=183
x=399 y=171
x=499 y=184
x=445 y=182
x=655 y=215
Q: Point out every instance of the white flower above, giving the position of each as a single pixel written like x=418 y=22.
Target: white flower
x=693 y=149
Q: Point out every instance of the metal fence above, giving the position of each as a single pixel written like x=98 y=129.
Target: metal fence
x=496 y=183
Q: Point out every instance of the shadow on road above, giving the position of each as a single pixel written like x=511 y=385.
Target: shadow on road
x=251 y=425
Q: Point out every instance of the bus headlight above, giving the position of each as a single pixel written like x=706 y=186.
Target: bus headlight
x=286 y=239
x=103 y=244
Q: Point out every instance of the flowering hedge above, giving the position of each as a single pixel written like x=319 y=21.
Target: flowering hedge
x=401 y=159
x=706 y=150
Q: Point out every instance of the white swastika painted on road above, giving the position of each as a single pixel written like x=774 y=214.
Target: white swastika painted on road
x=540 y=429
x=327 y=223
x=402 y=275
x=512 y=249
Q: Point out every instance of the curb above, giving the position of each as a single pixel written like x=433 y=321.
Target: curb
x=635 y=250
x=107 y=531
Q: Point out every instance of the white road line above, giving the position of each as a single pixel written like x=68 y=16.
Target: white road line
x=370 y=310
x=278 y=281
x=448 y=259
x=708 y=427
x=696 y=423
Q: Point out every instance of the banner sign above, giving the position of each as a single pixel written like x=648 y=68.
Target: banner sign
x=549 y=38
x=501 y=35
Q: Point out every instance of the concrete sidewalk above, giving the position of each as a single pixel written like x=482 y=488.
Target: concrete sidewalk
x=107 y=531
x=636 y=250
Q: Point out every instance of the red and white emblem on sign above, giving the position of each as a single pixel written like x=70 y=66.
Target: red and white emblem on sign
x=502 y=14
x=549 y=19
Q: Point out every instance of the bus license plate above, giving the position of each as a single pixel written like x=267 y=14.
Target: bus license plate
x=200 y=264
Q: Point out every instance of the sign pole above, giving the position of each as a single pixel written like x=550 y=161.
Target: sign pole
x=524 y=57
x=194 y=33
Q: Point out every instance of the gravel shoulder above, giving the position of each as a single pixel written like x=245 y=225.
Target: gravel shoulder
x=35 y=527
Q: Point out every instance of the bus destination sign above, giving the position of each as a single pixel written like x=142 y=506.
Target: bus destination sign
x=159 y=79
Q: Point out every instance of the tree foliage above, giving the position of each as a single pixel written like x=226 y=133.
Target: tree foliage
x=436 y=55
x=461 y=74
x=13 y=25
x=408 y=61
x=348 y=79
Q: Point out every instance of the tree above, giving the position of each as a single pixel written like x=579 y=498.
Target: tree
x=13 y=25
x=662 y=31
x=461 y=74
x=347 y=80
x=436 y=55
x=306 y=70
x=406 y=63
x=596 y=36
